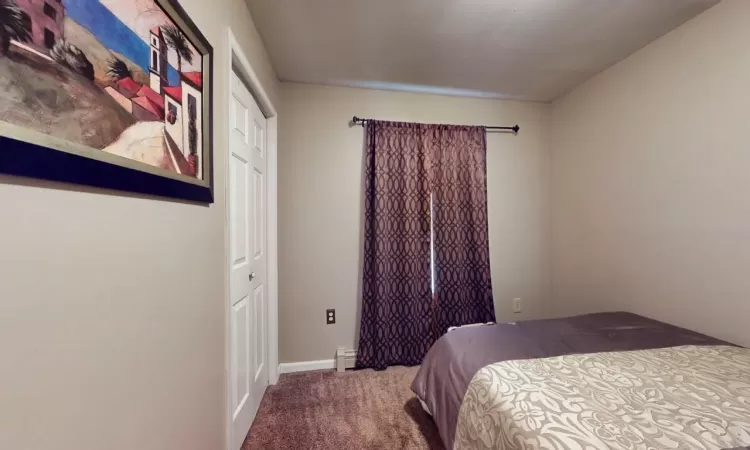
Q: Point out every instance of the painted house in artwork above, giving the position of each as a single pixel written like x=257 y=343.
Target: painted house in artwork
x=183 y=122
x=182 y=104
x=44 y=20
x=178 y=107
x=158 y=65
x=145 y=104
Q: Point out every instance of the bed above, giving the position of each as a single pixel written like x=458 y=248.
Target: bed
x=471 y=377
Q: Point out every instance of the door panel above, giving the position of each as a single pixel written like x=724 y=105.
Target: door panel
x=260 y=139
x=259 y=301
x=247 y=218
x=258 y=214
x=241 y=355
x=239 y=213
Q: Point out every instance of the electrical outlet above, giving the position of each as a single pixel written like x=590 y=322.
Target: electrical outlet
x=330 y=316
x=516 y=305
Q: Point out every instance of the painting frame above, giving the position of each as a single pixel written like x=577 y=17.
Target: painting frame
x=28 y=153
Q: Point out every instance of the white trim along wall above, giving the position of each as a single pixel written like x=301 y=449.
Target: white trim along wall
x=307 y=366
x=239 y=64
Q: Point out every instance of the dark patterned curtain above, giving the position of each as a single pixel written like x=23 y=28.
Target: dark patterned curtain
x=458 y=171
x=396 y=325
x=406 y=165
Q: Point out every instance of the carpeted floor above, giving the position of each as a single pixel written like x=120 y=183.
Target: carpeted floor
x=353 y=410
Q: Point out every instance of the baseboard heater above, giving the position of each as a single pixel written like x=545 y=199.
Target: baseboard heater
x=345 y=359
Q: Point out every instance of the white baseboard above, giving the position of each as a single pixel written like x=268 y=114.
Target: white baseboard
x=306 y=366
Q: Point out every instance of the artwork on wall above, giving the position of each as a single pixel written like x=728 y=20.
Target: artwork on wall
x=108 y=93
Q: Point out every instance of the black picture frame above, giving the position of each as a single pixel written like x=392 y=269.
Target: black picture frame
x=77 y=164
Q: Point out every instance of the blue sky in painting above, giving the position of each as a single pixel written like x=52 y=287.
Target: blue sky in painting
x=113 y=33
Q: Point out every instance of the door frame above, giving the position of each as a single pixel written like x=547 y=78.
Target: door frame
x=238 y=63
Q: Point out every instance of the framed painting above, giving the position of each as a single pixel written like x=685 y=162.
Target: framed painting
x=114 y=94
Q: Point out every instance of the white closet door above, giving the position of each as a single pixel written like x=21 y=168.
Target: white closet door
x=247 y=209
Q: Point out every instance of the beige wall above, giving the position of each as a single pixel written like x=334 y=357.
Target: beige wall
x=112 y=311
x=321 y=209
x=651 y=173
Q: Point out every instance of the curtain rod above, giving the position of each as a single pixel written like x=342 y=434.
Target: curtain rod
x=360 y=121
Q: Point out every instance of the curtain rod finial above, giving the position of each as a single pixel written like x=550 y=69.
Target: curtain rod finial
x=516 y=128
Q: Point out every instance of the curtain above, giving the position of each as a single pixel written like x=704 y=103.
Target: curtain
x=463 y=286
x=408 y=166
x=396 y=321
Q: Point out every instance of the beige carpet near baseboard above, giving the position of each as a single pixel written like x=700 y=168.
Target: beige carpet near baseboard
x=352 y=410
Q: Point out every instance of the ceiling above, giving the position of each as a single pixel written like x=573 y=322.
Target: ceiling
x=525 y=49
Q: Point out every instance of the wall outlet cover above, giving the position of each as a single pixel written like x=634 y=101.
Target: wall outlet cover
x=330 y=316
x=516 y=305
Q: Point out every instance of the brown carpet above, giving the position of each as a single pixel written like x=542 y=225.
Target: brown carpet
x=353 y=410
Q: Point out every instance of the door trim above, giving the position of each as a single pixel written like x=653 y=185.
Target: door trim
x=239 y=64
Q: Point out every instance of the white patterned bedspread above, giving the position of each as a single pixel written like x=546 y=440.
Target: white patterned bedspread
x=691 y=397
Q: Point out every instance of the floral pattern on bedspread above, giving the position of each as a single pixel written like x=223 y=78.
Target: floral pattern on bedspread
x=691 y=397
